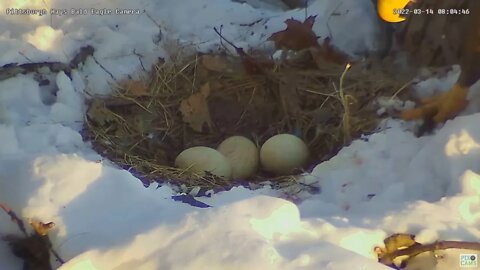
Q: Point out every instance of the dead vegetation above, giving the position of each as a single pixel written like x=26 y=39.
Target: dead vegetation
x=201 y=99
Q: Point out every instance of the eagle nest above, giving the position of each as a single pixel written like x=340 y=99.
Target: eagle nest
x=201 y=99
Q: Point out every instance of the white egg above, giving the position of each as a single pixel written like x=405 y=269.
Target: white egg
x=283 y=153
x=242 y=155
x=200 y=159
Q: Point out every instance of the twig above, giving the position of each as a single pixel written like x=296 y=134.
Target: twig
x=14 y=218
x=26 y=57
x=221 y=39
x=237 y=49
x=246 y=107
x=250 y=65
x=252 y=23
x=105 y=69
x=400 y=90
x=55 y=254
x=11 y=70
x=139 y=59
x=153 y=20
x=40 y=233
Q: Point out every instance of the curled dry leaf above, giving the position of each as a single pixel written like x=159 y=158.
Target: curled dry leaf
x=297 y=36
x=195 y=111
x=41 y=228
x=394 y=243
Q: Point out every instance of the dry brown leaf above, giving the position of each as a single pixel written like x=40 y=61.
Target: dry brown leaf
x=251 y=65
x=215 y=63
x=41 y=228
x=98 y=113
x=134 y=88
x=205 y=90
x=254 y=66
x=297 y=36
x=195 y=109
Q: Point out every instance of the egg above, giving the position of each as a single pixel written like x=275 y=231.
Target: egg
x=200 y=159
x=283 y=153
x=242 y=154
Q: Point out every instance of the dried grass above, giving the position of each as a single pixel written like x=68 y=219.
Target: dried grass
x=146 y=131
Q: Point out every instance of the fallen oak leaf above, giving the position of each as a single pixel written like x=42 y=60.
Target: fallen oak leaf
x=297 y=36
x=195 y=111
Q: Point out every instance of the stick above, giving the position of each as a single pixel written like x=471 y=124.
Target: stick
x=14 y=218
x=11 y=70
x=250 y=65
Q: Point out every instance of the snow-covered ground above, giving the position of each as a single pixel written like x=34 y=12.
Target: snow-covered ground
x=105 y=219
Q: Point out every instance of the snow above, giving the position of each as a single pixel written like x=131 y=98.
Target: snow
x=386 y=183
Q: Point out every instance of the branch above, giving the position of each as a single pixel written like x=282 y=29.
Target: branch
x=11 y=70
x=251 y=66
x=239 y=50
x=14 y=218
x=416 y=249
